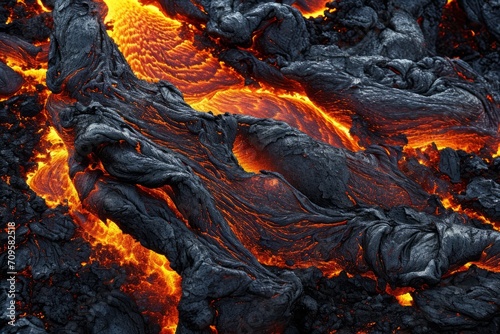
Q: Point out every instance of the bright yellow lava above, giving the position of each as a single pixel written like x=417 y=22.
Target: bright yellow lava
x=496 y=155
x=405 y=299
x=32 y=76
x=159 y=48
x=40 y=3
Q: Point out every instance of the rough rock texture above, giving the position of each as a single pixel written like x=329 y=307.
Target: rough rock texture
x=166 y=174
x=372 y=63
x=53 y=288
x=484 y=194
x=57 y=290
x=10 y=81
x=473 y=294
x=126 y=137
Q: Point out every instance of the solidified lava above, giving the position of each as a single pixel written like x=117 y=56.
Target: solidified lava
x=168 y=174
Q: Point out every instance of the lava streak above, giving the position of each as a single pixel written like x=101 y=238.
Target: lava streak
x=293 y=108
x=311 y=8
x=153 y=284
x=161 y=48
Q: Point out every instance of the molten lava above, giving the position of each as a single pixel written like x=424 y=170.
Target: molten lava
x=311 y=8
x=160 y=48
x=207 y=84
x=154 y=285
x=259 y=191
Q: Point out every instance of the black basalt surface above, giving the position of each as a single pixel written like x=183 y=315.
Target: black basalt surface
x=366 y=212
x=189 y=157
x=54 y=291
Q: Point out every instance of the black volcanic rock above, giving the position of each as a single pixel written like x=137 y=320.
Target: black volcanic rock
x=449 y=164
x=473 y=294
x=10 y=81
x=54 y=290
x=317 y=204
x=483 y=195
x=302 y=211
x=51 y=280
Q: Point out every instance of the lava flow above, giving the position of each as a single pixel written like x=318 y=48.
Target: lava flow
x=283 y=166
x=151 y=281
x=206 y=83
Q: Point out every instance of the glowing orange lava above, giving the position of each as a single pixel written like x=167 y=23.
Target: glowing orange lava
x=405 y=299
x=311 y=8
x=469 y=142
x=155 y=284
x=293 y=108
x=158 y=47
x=161 y=48
x=402 y=295
x=32 y=75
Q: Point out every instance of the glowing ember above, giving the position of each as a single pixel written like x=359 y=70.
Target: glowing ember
x=312 y=8
x=405 y=299
x=42 y=6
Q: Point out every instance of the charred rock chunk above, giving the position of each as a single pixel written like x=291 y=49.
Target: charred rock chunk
x=483 y=195
x=10 y=81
